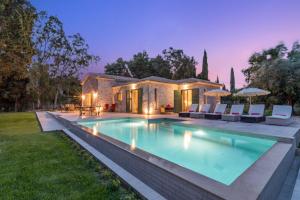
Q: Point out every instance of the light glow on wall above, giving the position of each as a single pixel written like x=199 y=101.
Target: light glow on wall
x=133 y=86
x=148 y=112
x=185 y=86
x=95 y=94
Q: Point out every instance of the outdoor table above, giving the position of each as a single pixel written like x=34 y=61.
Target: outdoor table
x=85 y=108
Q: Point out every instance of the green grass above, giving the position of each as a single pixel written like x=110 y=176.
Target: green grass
x=35 y=165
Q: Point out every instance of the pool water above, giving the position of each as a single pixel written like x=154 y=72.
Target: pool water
x=217 y=154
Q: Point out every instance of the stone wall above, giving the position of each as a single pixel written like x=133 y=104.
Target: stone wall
x=165 y=95
x=202 y=89
x=105 y=93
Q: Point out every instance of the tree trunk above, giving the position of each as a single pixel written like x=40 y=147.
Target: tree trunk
x=55 y=99
x=16 y=104
x=38 y=102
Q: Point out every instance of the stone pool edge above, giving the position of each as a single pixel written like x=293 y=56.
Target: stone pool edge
x=259 y=181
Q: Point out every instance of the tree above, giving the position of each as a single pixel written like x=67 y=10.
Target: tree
x=160 y=67
x=181 y=65
x=140 y=66
x=64 y=56
x=278 y=71
x=117 y=68
x=16 y=21
x=217 y=81
x=232 y=80
x=204 y=73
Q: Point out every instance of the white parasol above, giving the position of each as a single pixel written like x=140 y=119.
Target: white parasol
x=252 y=92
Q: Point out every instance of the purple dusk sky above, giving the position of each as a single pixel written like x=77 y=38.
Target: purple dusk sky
x=230 y=30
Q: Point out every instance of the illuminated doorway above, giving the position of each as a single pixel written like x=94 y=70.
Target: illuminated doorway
x=186 y=99
x=134 y=101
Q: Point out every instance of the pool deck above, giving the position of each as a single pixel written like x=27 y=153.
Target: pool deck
x=285 y=135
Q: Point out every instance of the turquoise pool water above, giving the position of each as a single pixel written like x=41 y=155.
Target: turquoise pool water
x=213 y=153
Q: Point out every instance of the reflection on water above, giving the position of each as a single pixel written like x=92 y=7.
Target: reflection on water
x=213 y=153
x=187 y=139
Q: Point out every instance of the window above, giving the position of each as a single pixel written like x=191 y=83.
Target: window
x=186 y=99
x=155 y=98
x=119 y=96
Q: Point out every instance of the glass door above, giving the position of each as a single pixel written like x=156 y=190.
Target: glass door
x=134 y=101
x=186 y=99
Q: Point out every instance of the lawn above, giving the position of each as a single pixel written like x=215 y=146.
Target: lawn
x=35 y=165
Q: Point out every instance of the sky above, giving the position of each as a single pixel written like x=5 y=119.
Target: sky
x=229 y=30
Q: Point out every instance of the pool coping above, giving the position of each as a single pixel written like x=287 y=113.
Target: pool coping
x=249 y=185
x=144 y=190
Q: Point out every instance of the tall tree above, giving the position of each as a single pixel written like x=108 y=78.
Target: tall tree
x=217 y=81
x=64 y=56
x=182 y=66
x=232 y=80
x=204 y=73
x=16 y=50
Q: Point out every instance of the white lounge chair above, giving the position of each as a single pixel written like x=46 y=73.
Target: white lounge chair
x=217 y=114
x=193 y=108
x=235 y=113
x=281 y=115
x=255 y=114
x=204 y=109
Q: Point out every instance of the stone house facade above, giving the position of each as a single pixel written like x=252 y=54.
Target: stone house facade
x=145 y=96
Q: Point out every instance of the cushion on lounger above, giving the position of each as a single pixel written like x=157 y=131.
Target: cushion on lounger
x=255 y=113
x=281 y=114
x=218 y=113
x=235 y=113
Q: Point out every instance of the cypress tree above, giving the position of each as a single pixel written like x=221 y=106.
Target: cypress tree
x=217 y=81
x=204 y=74
x=232 y=81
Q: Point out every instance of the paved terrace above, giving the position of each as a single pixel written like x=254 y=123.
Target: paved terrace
x=288 y=134
x=282 y=133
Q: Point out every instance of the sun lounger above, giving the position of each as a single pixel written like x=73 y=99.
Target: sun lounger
x=281 y=115
x=235 y=113
x=204 y=109
x=255 y=114
x=217 y=114
x=193 y=108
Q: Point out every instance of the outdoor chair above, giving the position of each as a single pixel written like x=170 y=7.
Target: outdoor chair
x=193 y=108
x=204 y=109
x=106 y=107
x=255 y=114
x=217 y=114
x=112 y=107
x=281 y=115
x=235 y=113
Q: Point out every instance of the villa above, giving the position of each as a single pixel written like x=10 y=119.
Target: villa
x=147 y=95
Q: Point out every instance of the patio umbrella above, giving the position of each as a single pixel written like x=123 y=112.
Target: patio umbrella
x=252 y=92
x=217 y=93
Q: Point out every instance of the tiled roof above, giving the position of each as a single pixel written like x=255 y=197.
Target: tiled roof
x=101 y=75
x=122 y=80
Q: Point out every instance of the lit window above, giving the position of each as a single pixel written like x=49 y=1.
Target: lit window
x=119 y=96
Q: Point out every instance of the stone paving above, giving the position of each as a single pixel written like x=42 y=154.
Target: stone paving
x=47 y=122
x=282 y=133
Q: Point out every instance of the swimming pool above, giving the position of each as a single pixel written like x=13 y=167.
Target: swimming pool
x=216 y=154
